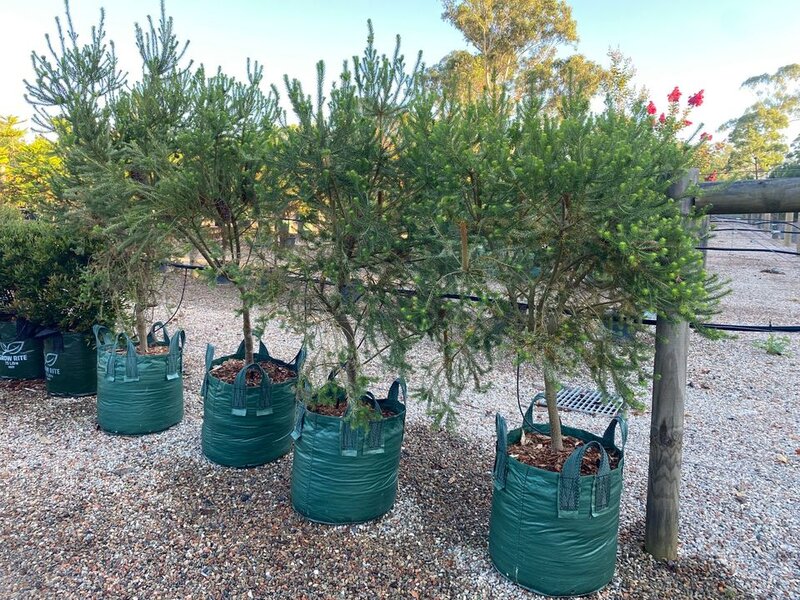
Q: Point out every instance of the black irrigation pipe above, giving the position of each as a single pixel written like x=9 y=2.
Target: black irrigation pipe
x=524 y=306
x=789 y=252
x=766 y=231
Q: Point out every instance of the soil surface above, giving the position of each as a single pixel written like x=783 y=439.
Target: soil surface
x=338 y=411
x=228 y=371
x=536 y=452
x=151 y=351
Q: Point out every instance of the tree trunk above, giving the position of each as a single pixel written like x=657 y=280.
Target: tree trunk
x=550 y=391
x=247 y=331
x=141 y=328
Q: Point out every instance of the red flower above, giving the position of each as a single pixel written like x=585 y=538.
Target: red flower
x=686 y=123
x=711 y=176
x=705 y=137
x=651 y=108
x=662 y=118
x=674 y=95
x=697 y=99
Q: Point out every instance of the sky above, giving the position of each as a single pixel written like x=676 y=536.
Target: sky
x=700 y=44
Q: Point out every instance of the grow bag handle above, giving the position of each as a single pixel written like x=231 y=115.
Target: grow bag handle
x=155 y=328
x=569 y=483
x=262 y=349
x=299 y=359
x=299 y=419
x=58 y=338
x=501 y=452
x=209 y=360
x=527 y=419
x=175 y=352
x=398 y=385
x=608 y=436
x=131 y=362
x=103 y=336
x=239 y=405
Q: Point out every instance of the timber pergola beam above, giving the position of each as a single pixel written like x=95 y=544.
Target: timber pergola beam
x=754 y=196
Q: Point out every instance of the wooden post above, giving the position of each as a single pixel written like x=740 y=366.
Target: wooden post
x=787 y=229
x=666 y=425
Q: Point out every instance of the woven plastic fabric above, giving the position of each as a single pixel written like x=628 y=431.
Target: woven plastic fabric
x=345 y=475
x=70 y=364
x=138 y=394
x=20 y=351
x=556 y=533
x=248 y=426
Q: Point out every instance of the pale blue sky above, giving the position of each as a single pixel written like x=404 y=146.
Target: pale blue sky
x=710 y=44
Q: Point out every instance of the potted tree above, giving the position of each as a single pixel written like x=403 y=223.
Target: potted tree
x=216 y=191
x=562 y=218
x=341 y=164
x=80 y=94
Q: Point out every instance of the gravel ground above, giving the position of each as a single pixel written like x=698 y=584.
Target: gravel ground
x=88 y=515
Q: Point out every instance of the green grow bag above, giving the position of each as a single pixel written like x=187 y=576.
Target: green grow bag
x=20 y=352
x=342 y=474
x=556 y=533
x=70 y=364
x=139 y=394
x=248 y=426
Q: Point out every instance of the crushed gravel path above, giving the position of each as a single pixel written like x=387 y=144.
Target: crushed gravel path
x=87 y=515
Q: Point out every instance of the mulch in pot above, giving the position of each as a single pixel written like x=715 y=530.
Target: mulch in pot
x=536 y=452
x=338 y=411
x=151 y=351
x=228 y=371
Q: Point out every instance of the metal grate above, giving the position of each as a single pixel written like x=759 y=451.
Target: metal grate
x=586 y=401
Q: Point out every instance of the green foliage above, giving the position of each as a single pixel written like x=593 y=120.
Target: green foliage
x=777 y=345
x=45 y=276
x=559 y=220
x=341 y=162
x=758 y=139
x=25 y=167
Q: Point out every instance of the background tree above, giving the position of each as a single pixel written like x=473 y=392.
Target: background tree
x=758 y=138
x=509 y=37
x=26 y=167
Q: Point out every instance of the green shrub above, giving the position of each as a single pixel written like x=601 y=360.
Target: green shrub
x=45 y=279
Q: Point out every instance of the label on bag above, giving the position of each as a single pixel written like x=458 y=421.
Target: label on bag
x=49 y=370
x=9 y=354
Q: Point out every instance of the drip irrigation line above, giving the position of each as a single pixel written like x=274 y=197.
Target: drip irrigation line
x=743 y=230
x=180 y=301
x=789 y=252
x=524 y=306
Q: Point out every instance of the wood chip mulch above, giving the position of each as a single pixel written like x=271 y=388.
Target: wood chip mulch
x=536 y=452
x=228 y=371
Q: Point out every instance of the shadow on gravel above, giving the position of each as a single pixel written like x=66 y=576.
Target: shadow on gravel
x=688 y=577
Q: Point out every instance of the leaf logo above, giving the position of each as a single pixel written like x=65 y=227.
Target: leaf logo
x=50 y=359
x=12 y=348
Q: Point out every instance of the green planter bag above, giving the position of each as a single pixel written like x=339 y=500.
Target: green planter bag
x=70 y=364
x=20 y=352
x=556 y=533
x=138 y=394
x=342 y=474
x=248 y=426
